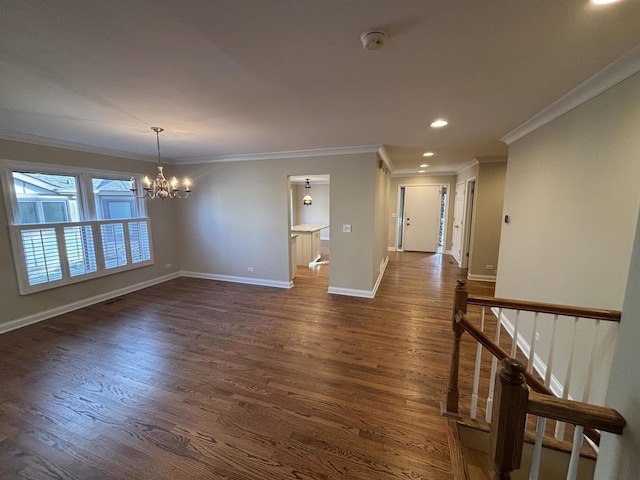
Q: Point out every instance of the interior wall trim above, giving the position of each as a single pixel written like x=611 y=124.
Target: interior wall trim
x=482 y=278
x=351 y=292
x=383 y=268
x=44 y=315
x=317 y=152
x=612 y=74
x=79 y=147
x=247 y=280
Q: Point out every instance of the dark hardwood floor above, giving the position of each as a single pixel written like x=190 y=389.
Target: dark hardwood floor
x=197 y=379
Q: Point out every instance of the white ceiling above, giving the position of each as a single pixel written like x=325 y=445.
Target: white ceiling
x=240 y=77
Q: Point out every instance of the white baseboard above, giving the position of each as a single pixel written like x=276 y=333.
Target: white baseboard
x=482 y=278
x=44 y=315
x=448 y=252
x=247 y=280
x=383 y=268
x=392 y=249
x=351 y=292
x=538 y=364
x=38 y=317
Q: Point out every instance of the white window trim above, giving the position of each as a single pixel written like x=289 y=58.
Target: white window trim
x=87 y=214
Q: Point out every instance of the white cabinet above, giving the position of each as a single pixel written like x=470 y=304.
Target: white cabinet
x=308 y=243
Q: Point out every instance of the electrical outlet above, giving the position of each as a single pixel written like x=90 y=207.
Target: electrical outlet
x=537 y=336
x=346 y=228
x=251 y=269
x=488 y=267
x=168 y=265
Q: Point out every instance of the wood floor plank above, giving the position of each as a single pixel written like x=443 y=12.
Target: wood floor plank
x=199 y=379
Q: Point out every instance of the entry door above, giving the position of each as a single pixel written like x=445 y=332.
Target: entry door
x=458 y=215
x=422 y=217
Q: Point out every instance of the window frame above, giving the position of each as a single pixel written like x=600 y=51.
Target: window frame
x=87 y=216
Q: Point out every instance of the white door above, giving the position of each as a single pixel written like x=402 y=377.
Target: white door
x=422 y=217
x=458 y=215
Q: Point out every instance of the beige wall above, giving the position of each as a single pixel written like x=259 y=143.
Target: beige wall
x=487 y=223
x=392 y=204
x=618 y=457
x=573 y=198
x=14 y=306
x=381 y=227
x=239 y=218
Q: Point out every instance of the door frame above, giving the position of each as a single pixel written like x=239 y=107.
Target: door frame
x=399 y=228
x=468 y=217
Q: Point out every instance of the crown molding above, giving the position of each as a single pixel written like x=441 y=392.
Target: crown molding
x=467 y=166
x=244 y=157
x=405 y=174
x=382 y=151
x=80 y=147
x=492 y=159
x=611 y=75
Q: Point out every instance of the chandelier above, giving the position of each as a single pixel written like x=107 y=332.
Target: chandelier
x=161 y=187
x=306 y=200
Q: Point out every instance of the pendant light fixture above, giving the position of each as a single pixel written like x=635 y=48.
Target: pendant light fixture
x=161 y=187
x=306 y=200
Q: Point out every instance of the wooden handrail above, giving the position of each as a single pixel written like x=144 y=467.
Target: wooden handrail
x=551 y=308
x=578 y=413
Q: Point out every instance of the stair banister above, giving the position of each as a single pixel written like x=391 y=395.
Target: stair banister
x=514 y=401
x=459 y=305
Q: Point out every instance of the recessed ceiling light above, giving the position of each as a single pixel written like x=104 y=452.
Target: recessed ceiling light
x=439 y=123
x=424 y=165
x=603 y=2
x=421 y=171
x=428 y=154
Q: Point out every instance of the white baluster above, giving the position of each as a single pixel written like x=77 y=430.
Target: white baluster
x=572 y=473
x=537 y=449
x=594 y=344
x=533 y=343
x=514 y=344
x=547 y=376
x=579 y=432
x=560 y=426
x=476 y=373
x=494 y=367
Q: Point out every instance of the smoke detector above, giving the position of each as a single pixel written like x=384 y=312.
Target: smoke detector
x=373 y=40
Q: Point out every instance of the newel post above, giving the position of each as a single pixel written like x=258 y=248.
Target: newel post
x=459 y=303
x=508 y=418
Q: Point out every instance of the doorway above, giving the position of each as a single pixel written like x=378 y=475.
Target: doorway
x=309 y=207
x=463 y=221
x=470 y=193
x=422 y=218
x=458 y=221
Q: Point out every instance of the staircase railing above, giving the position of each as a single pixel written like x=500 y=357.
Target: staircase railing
x=585 y=424
x=514 y=401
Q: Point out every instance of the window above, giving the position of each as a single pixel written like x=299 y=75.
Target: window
x=113 y=199
x=72 y=226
